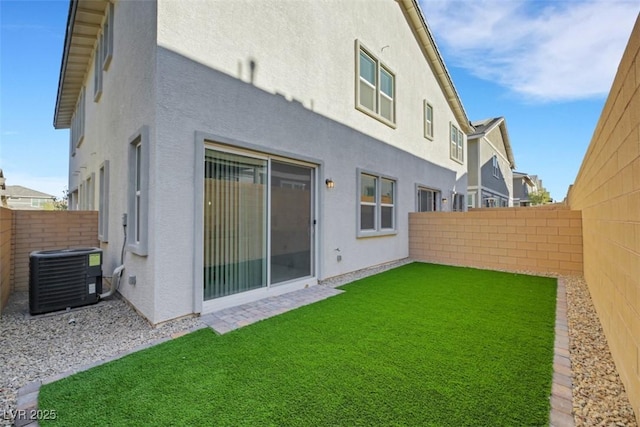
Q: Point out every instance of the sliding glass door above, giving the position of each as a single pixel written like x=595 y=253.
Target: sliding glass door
x=235 y=224
x=258 y=222
x=291 y=221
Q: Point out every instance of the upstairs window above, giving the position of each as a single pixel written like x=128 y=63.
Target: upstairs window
x=375 y=89
x=428 y=120
x=457 y=144
x=104 y=52
x=106 y=39
x=76 y=136
x=496 y=167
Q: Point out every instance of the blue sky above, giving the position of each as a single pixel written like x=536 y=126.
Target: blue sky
x=546 y=66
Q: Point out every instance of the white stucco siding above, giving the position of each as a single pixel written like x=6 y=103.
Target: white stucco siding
x=305 y=50
x=127 y=103
x=194 y=98
x=301 y=105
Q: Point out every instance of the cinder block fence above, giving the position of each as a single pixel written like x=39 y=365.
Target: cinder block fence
x=22 y=232
x=538 y=240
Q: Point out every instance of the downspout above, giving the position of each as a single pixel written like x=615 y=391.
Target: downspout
x=117 y=273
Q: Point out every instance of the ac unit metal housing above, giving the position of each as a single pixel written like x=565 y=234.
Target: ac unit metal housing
x=64 y=278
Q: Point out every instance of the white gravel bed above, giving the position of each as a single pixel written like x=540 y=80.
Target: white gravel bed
x=37 y=347
x=599 y=397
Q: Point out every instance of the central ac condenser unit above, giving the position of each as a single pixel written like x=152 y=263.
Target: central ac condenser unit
x=64 y=278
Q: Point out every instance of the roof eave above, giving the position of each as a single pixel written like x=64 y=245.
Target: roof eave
x=73 y=6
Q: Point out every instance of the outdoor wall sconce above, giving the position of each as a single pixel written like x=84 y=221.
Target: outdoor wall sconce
x=329 y=183
x=444 y=201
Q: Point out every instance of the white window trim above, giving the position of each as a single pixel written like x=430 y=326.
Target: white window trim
x=427 y=134
x=103 y=203
x=471 y=197
x=379 y=66
x=438 y=196
x=458 y=202
x=378 y=231
x=496 y=166
x=456 y=143
x=138 y=199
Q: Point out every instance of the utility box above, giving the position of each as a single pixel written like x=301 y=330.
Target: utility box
x=64 y=278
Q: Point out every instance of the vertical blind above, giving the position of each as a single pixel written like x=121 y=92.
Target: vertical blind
x=235 y=222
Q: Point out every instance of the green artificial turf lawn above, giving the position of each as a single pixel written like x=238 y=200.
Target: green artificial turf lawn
x=420 y=345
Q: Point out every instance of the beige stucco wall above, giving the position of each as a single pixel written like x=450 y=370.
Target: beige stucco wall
x=607 y=190
x=6 y=254
x=538 y=240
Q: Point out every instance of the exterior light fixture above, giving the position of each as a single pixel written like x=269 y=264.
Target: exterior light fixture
x=444 y=201
x=329 y=183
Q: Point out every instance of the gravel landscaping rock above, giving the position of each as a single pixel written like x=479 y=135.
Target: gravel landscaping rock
x=37 y=347
x=599 y=398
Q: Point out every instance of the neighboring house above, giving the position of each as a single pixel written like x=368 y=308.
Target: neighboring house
x=490 y=164
x=255 y=148
x=523 y=185
x=19 y=197
x=3 y=188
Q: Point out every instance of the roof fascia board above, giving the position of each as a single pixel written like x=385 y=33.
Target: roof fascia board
x=73 y=7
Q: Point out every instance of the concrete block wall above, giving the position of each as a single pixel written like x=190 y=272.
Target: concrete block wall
x=539 y=240
x=607 y=190
x=6 y=254
x=45 y=230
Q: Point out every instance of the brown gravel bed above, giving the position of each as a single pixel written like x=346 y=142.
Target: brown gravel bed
x=599 y=397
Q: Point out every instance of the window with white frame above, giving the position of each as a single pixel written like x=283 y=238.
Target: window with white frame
x=375 y=88
x=76 y=135
x=103 y=53
x=377 y=204
x=427 y=199
x=103 y=202
x=97 y=72
x=457 y=144
x=428 y=120
x=496 y=167
x=138 y=193
x=458 y=202
x=471 y=200
x=106 y=39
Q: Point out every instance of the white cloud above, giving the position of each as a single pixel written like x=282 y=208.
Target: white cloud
x=542 y=50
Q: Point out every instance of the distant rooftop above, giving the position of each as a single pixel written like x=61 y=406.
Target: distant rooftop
x=20 y=191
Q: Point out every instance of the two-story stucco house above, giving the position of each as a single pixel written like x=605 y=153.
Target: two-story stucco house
x=490 y=164
x=523 y=185
x=254 y=147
